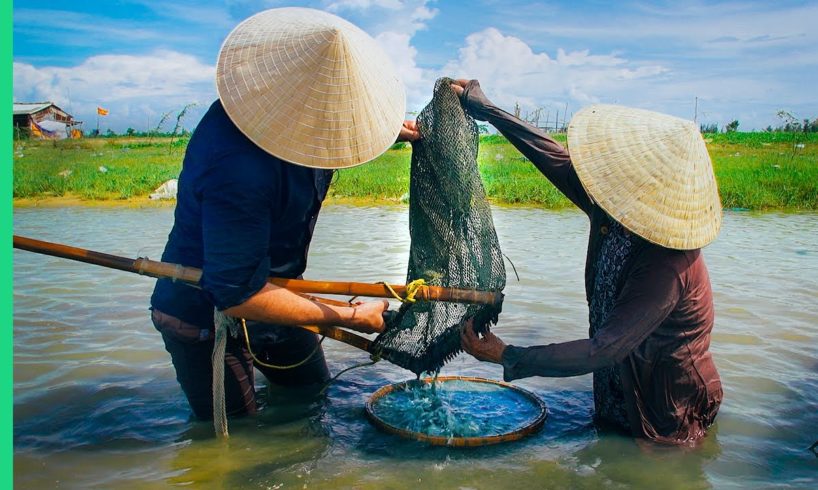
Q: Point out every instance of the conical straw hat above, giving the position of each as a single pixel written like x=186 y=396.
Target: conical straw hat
x=650 y=172
x=310 y=88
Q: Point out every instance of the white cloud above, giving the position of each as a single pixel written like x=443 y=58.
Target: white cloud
x=579 y=58
x=407 y=17
x=660 y=59
x=363 y=4
x=512 y=72
x=394 y=23
x=134 y=88
x=400 y=49
x=730 y=32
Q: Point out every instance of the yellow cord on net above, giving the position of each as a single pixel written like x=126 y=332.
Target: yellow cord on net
x=273 y=366
x=411 y=290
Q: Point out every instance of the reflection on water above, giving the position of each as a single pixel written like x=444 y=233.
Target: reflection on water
x=96 y=404
x=455 y=408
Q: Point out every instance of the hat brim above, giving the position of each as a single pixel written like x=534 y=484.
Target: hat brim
x=310 y=88
x=649 y=171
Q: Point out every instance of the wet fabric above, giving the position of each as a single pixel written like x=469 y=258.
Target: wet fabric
x=658 y=332
x=241 y=216
x=453 y=241
x=191 y=349
x=614 y=253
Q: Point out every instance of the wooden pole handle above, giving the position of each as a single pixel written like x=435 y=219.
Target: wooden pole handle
x=192 y=275
x=156 y=269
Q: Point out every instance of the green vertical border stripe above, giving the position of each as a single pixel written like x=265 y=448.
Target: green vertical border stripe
x=6 y=326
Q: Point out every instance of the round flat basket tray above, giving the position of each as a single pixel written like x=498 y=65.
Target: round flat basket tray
x=456 y=411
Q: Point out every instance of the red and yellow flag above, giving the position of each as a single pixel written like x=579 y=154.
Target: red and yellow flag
x=101 y=111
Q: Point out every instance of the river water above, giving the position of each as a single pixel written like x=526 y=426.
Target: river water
x=96 y=404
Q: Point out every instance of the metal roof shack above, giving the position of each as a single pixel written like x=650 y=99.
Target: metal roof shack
x=44 y=115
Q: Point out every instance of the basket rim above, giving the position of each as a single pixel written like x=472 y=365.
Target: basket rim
x=472 y=441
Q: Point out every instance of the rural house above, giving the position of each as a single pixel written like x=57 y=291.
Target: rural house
x=44 y=120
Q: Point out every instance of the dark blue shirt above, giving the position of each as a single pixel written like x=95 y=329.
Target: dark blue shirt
x=241 y=215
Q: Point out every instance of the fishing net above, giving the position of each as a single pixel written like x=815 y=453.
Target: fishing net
x=453 y=242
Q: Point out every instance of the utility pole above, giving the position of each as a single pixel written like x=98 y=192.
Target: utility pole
x=565 y=116
x=696 y=111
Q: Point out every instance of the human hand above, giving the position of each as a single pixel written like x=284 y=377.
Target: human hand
x=473 y=99
x=459 y=86
x=409 y=131
x=488 y=348
x=368 y=317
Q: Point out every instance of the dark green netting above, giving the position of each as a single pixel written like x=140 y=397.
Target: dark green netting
x=453 y=242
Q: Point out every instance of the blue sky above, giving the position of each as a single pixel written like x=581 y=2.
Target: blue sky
x=743 y=60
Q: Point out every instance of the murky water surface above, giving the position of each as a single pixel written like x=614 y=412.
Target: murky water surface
x=96 y=404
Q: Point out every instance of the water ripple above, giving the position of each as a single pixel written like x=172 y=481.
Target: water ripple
x=96 y=403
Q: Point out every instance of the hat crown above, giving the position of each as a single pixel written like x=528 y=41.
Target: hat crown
x=649 y=171
x=310 y=88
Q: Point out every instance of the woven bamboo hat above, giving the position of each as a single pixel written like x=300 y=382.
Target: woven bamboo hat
x=650 y=172
x=310 y=88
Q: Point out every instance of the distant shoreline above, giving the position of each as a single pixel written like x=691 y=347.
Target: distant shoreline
x=141 y=202
x=70 y=200
x=754 y=171
x=55 y=202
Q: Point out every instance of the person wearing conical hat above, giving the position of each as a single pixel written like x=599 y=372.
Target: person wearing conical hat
x=301 y=93
x=646 y=182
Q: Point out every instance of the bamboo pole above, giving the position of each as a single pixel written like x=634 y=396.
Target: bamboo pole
x=424 y=293
x=340 y=335
x=192 y=275
x=188 y=275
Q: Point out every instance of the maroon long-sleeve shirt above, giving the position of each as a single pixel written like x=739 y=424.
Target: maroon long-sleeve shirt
x=658 y=332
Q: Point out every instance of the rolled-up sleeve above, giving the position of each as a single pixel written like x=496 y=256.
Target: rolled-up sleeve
x=650 y=294
x=236 y=200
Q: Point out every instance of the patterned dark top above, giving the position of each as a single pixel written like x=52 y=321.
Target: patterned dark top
x=658 y=312
x=614 y=252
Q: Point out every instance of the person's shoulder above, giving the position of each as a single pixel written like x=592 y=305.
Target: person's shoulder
x=211 y=133
x=217 y=128
x=221 y=157
x=226 y=145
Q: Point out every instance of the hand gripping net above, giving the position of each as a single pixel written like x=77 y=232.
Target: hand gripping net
x=453 y=242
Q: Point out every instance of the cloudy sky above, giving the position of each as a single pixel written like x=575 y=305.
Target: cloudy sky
x=743 y=60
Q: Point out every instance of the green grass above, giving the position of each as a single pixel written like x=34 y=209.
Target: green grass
x=763 y=171
x=510 y=178
x=759 y=171
x=94 y=169
x=386 y=178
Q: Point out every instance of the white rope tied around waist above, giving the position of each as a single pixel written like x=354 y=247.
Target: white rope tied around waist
x=223 y=324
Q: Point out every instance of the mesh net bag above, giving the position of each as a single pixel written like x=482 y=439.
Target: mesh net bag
x=453 y=242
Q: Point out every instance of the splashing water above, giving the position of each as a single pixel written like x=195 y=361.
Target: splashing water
x=456 y=408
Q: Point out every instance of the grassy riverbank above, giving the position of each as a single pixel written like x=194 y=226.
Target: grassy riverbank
x=759 y=171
